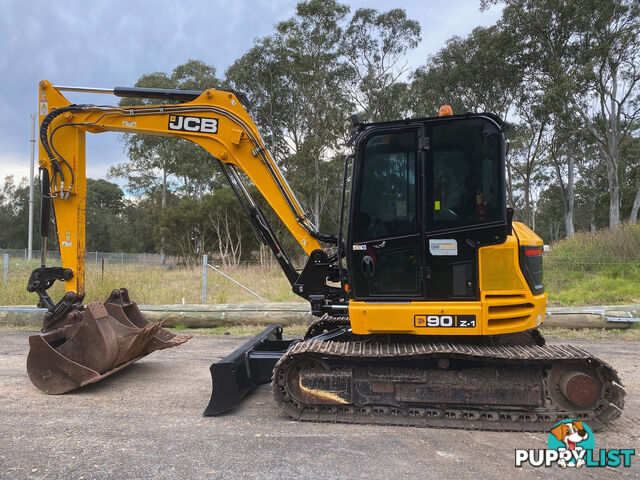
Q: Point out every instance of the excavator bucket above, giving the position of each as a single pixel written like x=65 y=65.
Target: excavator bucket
x=93 y=343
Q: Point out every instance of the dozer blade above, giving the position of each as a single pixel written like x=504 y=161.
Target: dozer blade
x=245 y=368
x=94 y=343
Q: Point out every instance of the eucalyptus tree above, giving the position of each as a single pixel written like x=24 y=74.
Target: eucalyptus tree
x=259 y=74
x=479 y=72
x=584 y=54
x=297 y=96
x=630 y=156
x=613 y=76
x=527 y=152
x=14 y=206
x=149 y=154
x=103 y=223
x=562 y=156
x=375 y=45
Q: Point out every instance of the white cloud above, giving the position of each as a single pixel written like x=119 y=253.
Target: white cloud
x=14 y=164
x=110 y=43
x=102 y=151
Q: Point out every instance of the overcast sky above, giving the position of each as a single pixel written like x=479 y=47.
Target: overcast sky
x=108 y=43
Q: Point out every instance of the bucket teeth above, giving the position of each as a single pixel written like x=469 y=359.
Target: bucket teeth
x=127 y=312
x=94 y=343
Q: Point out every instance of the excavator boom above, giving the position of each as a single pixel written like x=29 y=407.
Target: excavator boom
x=82 y=344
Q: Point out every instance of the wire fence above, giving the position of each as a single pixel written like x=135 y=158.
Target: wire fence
x=17 y=260
x=21 y=256
x=553 y=267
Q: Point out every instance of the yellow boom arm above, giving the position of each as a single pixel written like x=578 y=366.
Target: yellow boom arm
x=216 y=120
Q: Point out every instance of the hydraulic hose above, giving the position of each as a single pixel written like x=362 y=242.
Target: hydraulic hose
x=47 y=144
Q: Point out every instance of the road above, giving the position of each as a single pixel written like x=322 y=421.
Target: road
x=146 y=422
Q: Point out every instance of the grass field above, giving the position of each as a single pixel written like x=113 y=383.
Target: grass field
x=588 y=269
x=160 y=285
x=595 y=269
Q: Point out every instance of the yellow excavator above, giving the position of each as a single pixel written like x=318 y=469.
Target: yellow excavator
x=428 y=299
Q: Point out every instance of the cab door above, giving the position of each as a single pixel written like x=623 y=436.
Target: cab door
x=464 y=202
x=384 y=243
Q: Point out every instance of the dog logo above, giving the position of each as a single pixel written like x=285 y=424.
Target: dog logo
x=571 y=444
x=571 y=438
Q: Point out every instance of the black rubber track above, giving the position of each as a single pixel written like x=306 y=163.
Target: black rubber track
x=380 y=352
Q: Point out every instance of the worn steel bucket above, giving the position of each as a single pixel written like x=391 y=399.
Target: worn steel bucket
x=93 y=343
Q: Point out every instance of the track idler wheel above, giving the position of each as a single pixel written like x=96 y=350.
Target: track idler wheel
x=580 y=388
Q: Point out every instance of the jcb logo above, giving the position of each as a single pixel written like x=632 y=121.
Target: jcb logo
x=193 y=124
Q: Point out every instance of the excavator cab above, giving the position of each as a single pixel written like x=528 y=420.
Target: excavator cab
x=442 y=294
x=425 y=195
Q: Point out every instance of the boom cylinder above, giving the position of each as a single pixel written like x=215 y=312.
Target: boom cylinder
x=157 y=93
x=45 y=214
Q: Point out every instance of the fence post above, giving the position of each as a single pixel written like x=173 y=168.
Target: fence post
x=204 y=279
x=96 y=257
x=6 y=267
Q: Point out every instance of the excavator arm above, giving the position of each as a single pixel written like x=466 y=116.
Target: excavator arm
x=81 y=344
x=214 y=119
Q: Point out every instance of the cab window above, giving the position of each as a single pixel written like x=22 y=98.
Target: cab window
x=465 y=174
x=387 y=204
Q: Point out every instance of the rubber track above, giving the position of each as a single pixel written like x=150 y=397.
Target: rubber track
x=609 y=408
x=325 y=324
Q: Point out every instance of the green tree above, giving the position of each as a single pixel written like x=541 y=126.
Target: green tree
x=259 y=75
x=477 y=73
x=584 y=54
x=528 y=148
x=185 y=161
x=297 y=95
x=375 y=45
x=613 y=81
x=104 y=226
x=14 y=213
x=591 y=197
x=548 y=224
x=233 y=239
x=183 y=229
x=562 y=153
x=141 y=216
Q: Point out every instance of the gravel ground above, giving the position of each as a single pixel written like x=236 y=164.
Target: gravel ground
x=146 y=422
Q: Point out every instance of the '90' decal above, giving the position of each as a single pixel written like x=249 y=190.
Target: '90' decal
x=444 y=321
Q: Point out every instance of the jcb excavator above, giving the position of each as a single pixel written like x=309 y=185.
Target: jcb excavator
x=428 y=298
